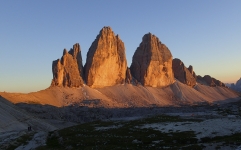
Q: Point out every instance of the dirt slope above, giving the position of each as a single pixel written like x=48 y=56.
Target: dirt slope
x=125 y=95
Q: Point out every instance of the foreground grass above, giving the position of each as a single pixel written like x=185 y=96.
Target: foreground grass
x=129 y=135
x=234 y=139
x=22 y=140
x=121 y=135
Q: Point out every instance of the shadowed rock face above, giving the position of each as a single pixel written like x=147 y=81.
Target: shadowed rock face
x=238 y=83
x=128 y=76
x=183 y=74
x=217 y=82
x=106 y=60
x=208 y=80
x=190 y=68
x=201 y=80
x=237 y=86
x=76 y=53
x=152 y=63
x=68 y=71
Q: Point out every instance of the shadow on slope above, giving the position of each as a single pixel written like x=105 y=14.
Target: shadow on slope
x=82 y=114
x=14 y=118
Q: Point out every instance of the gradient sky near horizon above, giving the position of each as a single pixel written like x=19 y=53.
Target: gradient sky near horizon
x=205 y=34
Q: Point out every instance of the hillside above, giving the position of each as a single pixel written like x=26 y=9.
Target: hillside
x=125 y=95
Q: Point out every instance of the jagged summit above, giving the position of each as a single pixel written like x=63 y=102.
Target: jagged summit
x=210 y=81
x=183 y=74
x=116 y=85
x=106 y=60
x=152 y=63
x=106 y=65
x=189 y=77
x=68 y=71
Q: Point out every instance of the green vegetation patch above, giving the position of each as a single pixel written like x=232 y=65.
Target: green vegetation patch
x=129 y=135
x=228 y=139
x=121 y=135
x=22 y=140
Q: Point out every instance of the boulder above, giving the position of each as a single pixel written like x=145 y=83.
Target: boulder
x=68 y=71
x=106 y=60
x=152 y=63
x=183 y=74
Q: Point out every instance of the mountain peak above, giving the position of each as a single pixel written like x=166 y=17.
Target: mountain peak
x=152 y=63
x=106 y=60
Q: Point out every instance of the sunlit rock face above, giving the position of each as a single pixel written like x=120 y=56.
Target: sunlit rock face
x=68 y=71
x=181 y=73
x=106 y=60
x=152 y=63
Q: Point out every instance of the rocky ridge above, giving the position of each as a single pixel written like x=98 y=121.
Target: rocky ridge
x=190 y=68
x=183 y=74
x=210 y=81
x=189 y=77
x=106 y=65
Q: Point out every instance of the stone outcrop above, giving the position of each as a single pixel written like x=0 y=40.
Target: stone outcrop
x=68 y=71
x=152 y=63
x=201 y=80
x=106 y=60
x=128 y=76
x=181 y=73
x=190 y=68
x=76 y=53
x=210 y=81
x=106 y=65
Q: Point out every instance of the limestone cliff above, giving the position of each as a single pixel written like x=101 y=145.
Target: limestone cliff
x=152 y=63
x=106 y=60
x=68 y=71
x=181 y=73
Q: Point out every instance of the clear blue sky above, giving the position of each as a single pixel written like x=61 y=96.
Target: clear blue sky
x=204 y=33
